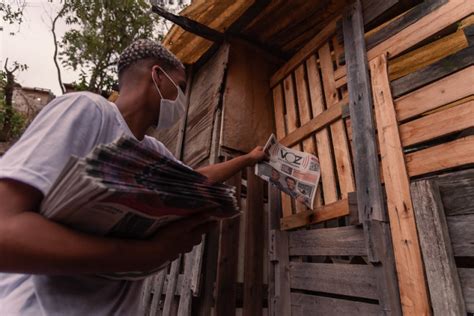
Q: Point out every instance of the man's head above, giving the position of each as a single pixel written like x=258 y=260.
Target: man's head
x=275 y=175
x=291 y=183
x=152 y=72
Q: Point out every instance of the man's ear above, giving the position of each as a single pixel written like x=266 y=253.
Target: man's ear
x=155 y=73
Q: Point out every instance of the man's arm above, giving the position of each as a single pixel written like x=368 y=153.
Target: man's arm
x=222 y=171
x=30 y=243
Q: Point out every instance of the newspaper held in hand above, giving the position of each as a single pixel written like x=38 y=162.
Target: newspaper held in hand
x=126 y=190
x=294 y=172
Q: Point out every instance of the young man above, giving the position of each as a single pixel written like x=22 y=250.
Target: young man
x=47 y=269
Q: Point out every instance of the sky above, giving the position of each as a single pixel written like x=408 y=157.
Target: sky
x=32 y=44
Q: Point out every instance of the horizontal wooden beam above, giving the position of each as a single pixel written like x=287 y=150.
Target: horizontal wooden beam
x=448 y=155
x=438 y=124
x=340 y=241
x=343 y=279
x=320 y=214
x=319 y=122
x=454 y=87
x=189 y=25
x=304 y=304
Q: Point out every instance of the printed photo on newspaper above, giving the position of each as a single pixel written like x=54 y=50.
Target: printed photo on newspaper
x=294 y=172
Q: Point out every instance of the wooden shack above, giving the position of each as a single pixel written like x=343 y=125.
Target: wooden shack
x=383 y=93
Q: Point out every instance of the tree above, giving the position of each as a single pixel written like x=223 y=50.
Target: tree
x=12 y=122
x=12 y=11
x=103 y=29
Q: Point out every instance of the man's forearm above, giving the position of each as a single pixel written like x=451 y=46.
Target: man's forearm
x=222 y=171
x=29 y=243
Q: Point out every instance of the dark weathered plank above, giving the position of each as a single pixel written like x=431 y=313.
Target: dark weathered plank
x=303 y=305
x=433 y=72
x=441 y=273
x=467 y=284
x=278 y=277
x=374 y=8
x=461 y=229
x=341 y=241
x=253 y=266
x=343 y=279
x=403 y=21
x=457 y=192
x=370 y=200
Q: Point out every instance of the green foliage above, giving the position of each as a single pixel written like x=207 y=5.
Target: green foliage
x=104 y=29
x=17 y=119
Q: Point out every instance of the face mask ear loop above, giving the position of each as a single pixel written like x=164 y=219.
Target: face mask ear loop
x=156 y=86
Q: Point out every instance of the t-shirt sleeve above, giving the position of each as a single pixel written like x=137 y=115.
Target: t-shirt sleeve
x=69 y=125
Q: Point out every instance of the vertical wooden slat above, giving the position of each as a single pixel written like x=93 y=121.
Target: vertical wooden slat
x=441 y=273
x=227 y=260
x=413 y=291
x=158 y=282
x=279 y=105
x=339 y=138
x=370 y=200
x=253 y=267
x=322 y=137
x=184 y=308
x=170 y=305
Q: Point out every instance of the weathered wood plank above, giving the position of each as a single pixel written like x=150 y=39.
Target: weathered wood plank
x=343 y=279
x=449 y=89
x=413 y=291
x=426 y=55
x=441 y=274
x=461 y=229
x=278 y=105
x=303 y=305
x=370 y=200
x=339 y=138
x=467 y=283
x=170 y=303
x=440 y=18
x=457 y=192
x=374 y=8
x=303 y=53
x=322 y=137
x=448 y=155
x=403 y=21
x=291 y=114
x=340 y=241
x=319 y=215
x=278 y=277
x=185 y=292
x=316 y=124
x=441 y=123
x=433 y=72
x=158 y=282
x=253 y=267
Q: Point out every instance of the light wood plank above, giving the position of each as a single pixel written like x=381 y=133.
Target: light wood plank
x=278 y=105
x=448 y=155
x=304 y=106
x=170 y=303
x=413 y=291
x=185 y=292
x=438 y=124
x=343 y=279
x=339 y=138
x=320 y=214
x=441 y=273
x=340 y=241
x=291 y=114
x=456 y=86
x=304 y=304
x=322 y=137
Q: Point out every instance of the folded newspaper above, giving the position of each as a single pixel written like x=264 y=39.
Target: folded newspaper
x=126 y=190
x=294 y=172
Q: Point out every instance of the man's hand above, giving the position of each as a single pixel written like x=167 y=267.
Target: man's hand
x=256 y=155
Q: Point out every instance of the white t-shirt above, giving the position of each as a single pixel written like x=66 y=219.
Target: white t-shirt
x=72 y=124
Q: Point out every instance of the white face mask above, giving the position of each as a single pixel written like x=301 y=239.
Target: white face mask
x=170 y=110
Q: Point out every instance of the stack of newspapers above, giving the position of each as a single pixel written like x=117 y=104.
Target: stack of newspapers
x=126 y=190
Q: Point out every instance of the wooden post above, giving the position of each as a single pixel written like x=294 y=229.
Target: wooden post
x=370 y=200
x=278 y=273
x=441 y=272
x=411 y=277
x=253 y=266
